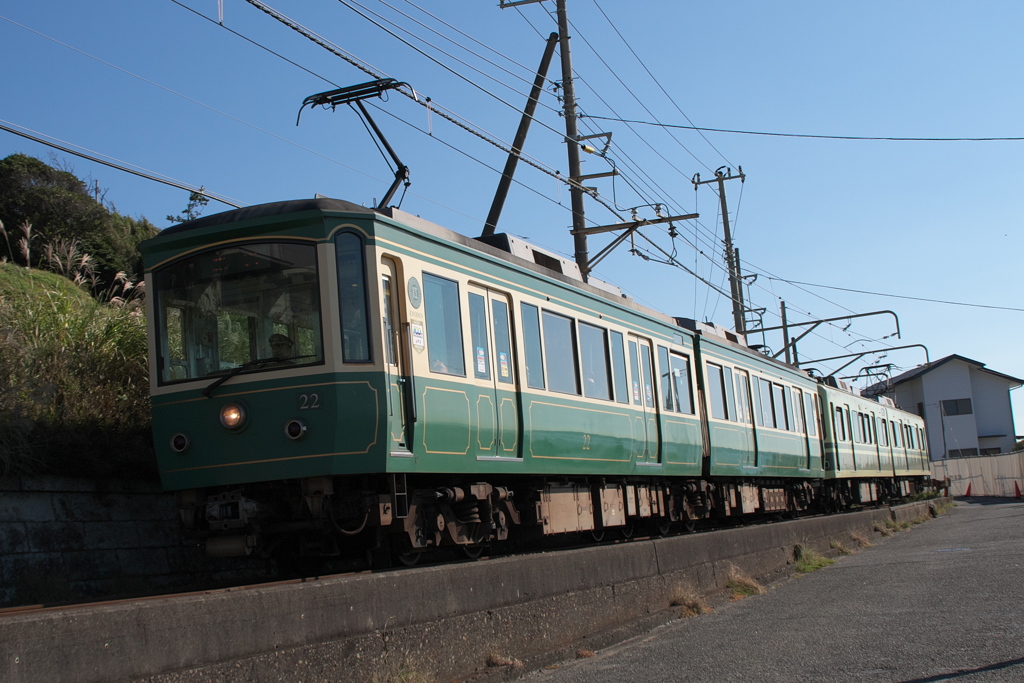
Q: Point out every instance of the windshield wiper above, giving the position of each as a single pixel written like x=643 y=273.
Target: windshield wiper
x=256 y=362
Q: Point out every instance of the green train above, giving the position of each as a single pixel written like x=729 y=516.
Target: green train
x=331 y=379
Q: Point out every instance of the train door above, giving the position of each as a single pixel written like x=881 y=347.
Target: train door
x=497 y=408
x=394 y=360
x=645 y=424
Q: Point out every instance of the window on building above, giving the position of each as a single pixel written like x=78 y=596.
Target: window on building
x=957 y=406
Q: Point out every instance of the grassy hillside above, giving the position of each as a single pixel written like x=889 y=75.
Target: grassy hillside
x=73 y=380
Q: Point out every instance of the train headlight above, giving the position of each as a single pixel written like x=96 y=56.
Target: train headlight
x=295 y=429
x=232 y=415
x=180 y=442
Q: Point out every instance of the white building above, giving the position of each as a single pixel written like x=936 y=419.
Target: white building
x=966 y=407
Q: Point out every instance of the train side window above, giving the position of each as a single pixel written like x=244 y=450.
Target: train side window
x=779 y=406
x=810 y=415
x=839 y=425
x=730 y=394
x=883 y=433
x=742 y=395
x=560 y=353
x=667 y=385
x=791 y=419
x=594 y=353
x=502 y=342
x=619 y=369
x=755 y=394
x=764 y=397
x=355 y=346
x=478 y=336
x=681 y=382
x=634 y=372
x=175 y=359
x=531 y=339
x=799 y=423
x=896 y=435
x=645 y=364
x=716 y=392
x=444 y=325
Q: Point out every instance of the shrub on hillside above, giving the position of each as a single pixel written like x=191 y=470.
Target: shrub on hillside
x=74 y=396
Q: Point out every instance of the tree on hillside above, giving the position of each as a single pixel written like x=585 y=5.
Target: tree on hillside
x=58 y=206
x=196 y=202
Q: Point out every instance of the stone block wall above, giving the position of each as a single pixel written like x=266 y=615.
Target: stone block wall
x=68 y=540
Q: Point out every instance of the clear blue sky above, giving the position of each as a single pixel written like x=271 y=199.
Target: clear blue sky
x=155 y=85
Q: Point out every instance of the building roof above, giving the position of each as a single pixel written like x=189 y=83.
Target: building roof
x=883 y=387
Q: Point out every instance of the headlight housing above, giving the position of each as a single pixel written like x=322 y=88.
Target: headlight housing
x=180 y=442
x=232 y=416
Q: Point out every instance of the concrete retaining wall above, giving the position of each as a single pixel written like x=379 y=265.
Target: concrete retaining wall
x=64 y=540
x=434 y=622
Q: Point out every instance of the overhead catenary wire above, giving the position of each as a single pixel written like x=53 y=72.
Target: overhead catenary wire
x=811 y=135
x=657 y=82
x=904 y=296
x=97 y=157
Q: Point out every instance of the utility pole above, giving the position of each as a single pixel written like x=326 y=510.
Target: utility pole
x=735 y=279
x=579 y=222
x=517 y=145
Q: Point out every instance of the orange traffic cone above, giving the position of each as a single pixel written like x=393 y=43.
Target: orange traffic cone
x=1016 y=490
x=968 y=489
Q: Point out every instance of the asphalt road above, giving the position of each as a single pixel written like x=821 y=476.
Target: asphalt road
x=942 y=601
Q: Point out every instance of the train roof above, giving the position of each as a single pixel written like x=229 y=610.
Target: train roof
x=269 y=210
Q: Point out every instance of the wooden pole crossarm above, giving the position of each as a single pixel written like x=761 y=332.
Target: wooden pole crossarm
x=794 y=340
x=632 y=225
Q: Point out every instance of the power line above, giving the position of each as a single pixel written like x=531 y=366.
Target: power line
x=656 y=81
x=113 y=163
x=804 y=135
x=901 y=296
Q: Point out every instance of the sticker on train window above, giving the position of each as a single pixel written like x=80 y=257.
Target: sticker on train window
x=503 y=362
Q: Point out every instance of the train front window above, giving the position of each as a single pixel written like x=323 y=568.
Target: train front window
x=254 y=305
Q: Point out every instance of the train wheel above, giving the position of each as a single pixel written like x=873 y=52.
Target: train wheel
x=665 y=528
x=409 y=559
x=473 y=552
x=627 y=531
x=690 y=526
x=597 y=535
